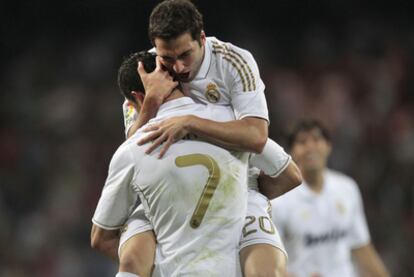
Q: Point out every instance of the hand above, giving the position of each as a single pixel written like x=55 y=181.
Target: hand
x=166 y=133
x=158 y=83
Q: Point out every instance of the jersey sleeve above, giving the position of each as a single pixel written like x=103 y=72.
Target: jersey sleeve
x=247 y=93
x=118 y=198
x=359 y=233
x=273 y=160
x=252 y=175
x=130 y=115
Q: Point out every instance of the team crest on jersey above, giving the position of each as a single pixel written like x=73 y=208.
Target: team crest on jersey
x=340 y=208
x=212 y=94
x=305 y=215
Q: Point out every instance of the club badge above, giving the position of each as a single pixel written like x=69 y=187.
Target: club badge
x=212 y=94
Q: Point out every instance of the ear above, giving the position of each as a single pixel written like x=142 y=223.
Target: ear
x=203 y=38
x=138 y=96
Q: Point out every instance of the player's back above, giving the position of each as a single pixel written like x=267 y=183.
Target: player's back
x=195 y=198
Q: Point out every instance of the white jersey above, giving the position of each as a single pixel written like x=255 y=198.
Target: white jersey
x=195 y=198
x=228 y=77
x=319 y=230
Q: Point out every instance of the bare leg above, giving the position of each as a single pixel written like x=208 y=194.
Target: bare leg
x=137 y=254
x=263 y=260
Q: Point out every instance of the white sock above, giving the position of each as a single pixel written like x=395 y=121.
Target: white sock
x=126 y=274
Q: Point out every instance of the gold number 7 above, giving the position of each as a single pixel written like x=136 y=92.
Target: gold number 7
x=209 y=188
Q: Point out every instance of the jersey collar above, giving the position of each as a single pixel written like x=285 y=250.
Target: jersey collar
x=205 y=65
x=309 y=193
x=174 y=105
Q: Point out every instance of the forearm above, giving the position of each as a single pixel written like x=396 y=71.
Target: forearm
x=148 y=110
x=105 y=241
x=247 y=134
x=110 y=248
x=368 y=261
x=286 y=181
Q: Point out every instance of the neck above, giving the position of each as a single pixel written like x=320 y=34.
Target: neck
x=203 y=49
x=314 y=179
x=175 y=94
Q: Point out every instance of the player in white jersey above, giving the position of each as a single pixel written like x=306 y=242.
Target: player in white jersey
x=322 y=222
x=195 y=199
x=217 y=73
x=220 y=74
x=211 y=72
x=173 y=246
x=261 y=231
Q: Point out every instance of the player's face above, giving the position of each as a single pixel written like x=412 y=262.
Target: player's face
x=311 y=150
x=181 y=56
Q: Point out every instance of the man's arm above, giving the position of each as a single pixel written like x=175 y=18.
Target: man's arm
x=105 y=241
x=115 y=203
x=279 y=173
x=248 y=134
x=148 y=110
x=274 y=187
x=158 y=85
x=368 y=261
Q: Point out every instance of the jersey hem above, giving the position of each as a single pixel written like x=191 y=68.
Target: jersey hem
x=360 y=245
x=263 y=241
x=282 y=168
x=106 y=227
x=256 y=115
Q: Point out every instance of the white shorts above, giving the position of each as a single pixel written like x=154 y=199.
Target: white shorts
x=258 y=227
x=137 y=223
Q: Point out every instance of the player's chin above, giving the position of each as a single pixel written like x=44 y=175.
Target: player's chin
x=313 y=166
x=186 y=77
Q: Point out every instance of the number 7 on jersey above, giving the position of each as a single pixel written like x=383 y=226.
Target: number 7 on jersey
x=210 y=187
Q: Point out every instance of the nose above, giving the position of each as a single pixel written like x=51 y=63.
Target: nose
x=309 y=144
x=178 y=66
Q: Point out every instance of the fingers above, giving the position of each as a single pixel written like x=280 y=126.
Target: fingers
x=158 y=64
x=150 y=128
x=150 y=137
x=165 y=147
x=141 y=69
x=156 y=143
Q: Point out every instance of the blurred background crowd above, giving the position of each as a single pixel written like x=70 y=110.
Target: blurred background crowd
x=347 y=63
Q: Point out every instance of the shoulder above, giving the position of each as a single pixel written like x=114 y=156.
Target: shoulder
x=121 y=155
x=236 y=62
x=128 y=152
x=342 y=182
x=228 y=49
x=232 y=55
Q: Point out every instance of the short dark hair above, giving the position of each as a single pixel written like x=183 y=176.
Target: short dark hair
x=172 y=18
x=128 y=77
x=307 y=125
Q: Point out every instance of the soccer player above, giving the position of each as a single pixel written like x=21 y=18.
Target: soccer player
x=212 y=72
x=181 y=249
x=322 y=222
